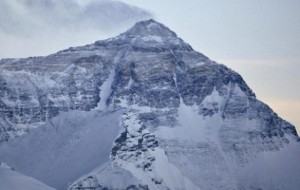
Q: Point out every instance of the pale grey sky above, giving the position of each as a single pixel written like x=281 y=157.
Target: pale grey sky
x=251 y=29
x=41 y=27
x=258 y=39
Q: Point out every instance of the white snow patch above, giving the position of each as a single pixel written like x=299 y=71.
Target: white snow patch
x=196 y=64
x=105 y=91
x=4 y=166
x=192 y=126
x=69 y=69
x=129 y=83
x=152 y=38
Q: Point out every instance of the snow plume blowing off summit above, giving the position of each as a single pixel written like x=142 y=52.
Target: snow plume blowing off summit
x=141 y=111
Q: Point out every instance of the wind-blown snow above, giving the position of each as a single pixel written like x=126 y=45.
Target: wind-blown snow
x=65 y=148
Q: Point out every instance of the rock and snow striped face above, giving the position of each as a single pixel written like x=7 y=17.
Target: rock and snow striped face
x=190 y=123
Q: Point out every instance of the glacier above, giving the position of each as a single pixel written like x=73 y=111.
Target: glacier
x=141 y=110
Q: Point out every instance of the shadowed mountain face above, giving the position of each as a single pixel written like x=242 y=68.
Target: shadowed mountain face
x=189 y=123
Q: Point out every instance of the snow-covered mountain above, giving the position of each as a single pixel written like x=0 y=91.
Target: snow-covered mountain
x=142 y=110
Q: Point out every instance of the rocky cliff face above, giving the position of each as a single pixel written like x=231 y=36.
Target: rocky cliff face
x=196 y=119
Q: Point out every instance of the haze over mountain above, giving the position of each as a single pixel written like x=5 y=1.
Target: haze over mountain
x=60 y=23
x=142 y=110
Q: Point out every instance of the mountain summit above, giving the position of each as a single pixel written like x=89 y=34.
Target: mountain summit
x=148 y=34
x=150 y=28
x=142 y=110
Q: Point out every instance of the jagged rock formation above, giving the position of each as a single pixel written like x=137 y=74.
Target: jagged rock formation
x=190 y=123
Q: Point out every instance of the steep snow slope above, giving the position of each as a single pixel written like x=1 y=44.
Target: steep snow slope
x=217 y=153
x=65 y=148
x=12 y=180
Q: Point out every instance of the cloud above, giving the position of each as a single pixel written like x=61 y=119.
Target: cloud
x=38 y=27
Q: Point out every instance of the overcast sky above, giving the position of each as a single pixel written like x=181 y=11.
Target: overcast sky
x=258 y=39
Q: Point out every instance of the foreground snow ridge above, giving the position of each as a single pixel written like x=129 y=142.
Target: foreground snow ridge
x=12 y=180
x=65 y=148
x=140 y=111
